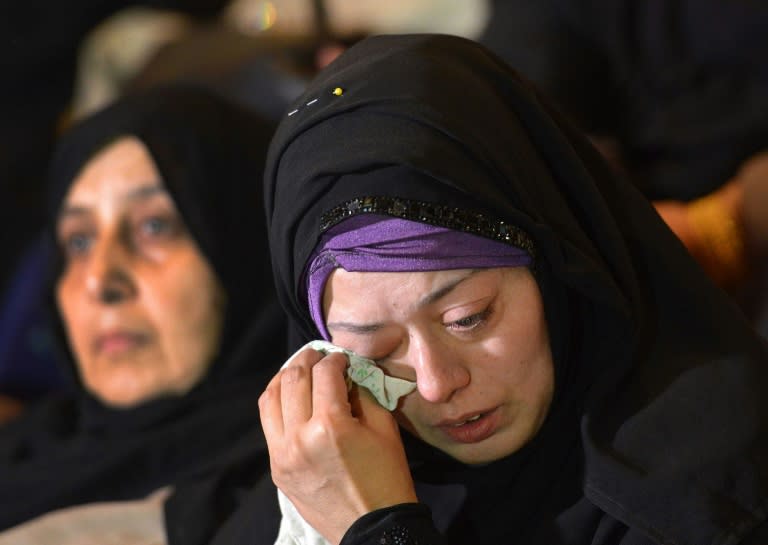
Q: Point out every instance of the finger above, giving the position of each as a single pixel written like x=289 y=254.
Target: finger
x=296 y=389
x=306 y=357
x=330 y=393
x=270 y=410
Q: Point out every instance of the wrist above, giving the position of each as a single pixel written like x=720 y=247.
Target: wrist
x=402 y=524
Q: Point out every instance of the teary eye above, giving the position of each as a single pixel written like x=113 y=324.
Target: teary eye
x=470 y=322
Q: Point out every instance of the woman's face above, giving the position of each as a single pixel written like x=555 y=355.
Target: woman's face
x=140 y=304
x=475 y=342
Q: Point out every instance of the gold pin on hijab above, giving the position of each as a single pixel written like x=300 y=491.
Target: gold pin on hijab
x=337 y=91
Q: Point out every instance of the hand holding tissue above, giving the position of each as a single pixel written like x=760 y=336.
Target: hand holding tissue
x=387 y=391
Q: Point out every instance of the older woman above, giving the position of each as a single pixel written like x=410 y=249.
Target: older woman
x=165 y=301
x=578 y=379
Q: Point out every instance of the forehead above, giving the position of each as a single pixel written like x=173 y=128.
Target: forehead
x=120 y=170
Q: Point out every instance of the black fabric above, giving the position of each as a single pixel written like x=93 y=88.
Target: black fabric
x=682 y=85
x=657 y=430
x=73 y=450
x=404 y=524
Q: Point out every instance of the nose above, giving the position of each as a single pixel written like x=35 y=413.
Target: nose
x=440 y=371
x=108 y=278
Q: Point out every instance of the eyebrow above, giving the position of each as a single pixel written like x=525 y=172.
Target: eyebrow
x=445 y=290
x=144 y=192
x=428 y=299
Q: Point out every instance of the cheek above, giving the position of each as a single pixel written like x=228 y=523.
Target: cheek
x=524 y=336
x=65 y=298
x=185 y=306
x=528 y=370
x=538 y=349
x=74 y=315
x=524 y=360
x=408 y=414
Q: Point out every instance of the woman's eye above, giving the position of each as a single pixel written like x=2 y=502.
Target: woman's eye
x=158 y=227
x=469 y=322
x=155 y=226
x=76 y=244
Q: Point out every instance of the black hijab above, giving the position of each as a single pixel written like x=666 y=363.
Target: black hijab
x=74 y=450
x=657 y=431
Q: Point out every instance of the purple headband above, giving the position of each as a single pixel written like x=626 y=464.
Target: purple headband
x=376 y=243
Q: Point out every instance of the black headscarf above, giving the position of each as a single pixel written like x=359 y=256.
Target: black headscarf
x=657 y=430
x=210 y=155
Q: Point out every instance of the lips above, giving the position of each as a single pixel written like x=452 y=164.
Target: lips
x=472 y=427
x=116 y=343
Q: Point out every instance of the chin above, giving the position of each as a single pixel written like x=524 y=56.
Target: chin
x=485 y=452
x=122 y=396
x=481 y=457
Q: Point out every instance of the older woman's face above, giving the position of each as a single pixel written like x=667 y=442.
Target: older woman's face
x=475 y=342
x=141 y=306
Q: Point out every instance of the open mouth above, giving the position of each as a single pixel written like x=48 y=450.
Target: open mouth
x=474 y=429
x=473 y=419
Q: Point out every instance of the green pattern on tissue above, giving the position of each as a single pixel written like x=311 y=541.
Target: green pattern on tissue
x=364 y=372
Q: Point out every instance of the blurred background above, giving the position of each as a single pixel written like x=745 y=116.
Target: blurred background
x=673 y=92
x=62 y=60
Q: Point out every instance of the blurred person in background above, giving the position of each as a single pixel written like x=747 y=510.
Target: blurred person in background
x=38 y=55
x=166 y=318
